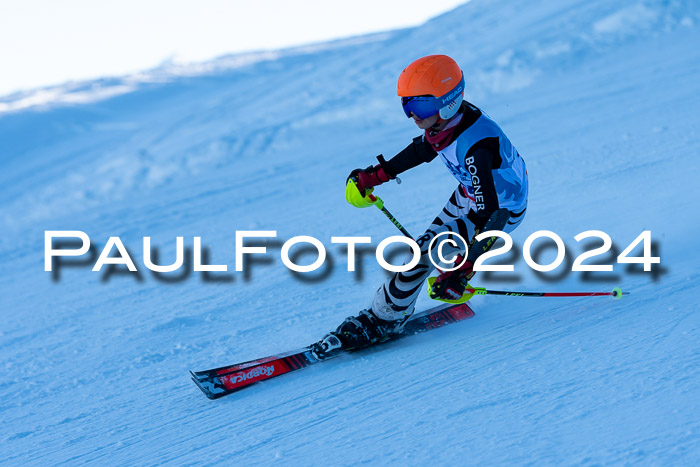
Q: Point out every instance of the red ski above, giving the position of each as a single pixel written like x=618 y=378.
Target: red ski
x=219 y=382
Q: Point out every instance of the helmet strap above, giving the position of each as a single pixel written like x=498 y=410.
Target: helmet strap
x=437 y=124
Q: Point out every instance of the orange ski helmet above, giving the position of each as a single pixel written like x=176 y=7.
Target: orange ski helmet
x=430 y=85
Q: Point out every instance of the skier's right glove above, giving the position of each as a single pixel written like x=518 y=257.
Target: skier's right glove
x=361 y=182
x=368 y=178
x=356 y=198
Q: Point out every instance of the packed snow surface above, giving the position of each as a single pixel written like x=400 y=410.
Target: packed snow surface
x=599 y=97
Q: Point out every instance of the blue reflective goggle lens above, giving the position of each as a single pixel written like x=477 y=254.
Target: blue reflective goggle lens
x=427 y=106
x=420 y=106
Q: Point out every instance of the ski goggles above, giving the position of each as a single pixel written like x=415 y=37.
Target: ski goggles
x=427 y=106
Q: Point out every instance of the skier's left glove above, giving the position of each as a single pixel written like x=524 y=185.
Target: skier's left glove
x=450 y=285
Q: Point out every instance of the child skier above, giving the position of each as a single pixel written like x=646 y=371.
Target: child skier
x=491 y=195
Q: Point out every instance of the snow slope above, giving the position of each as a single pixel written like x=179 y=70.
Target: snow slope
x=600 y=98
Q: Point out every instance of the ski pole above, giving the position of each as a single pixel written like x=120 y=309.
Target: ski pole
x=469 y=292
x=380 y=204
x=616 y=293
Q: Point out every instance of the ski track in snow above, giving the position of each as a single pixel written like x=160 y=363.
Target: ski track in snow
x=600 y=98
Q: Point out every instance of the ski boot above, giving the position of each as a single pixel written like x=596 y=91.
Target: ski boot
x=356 y=332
